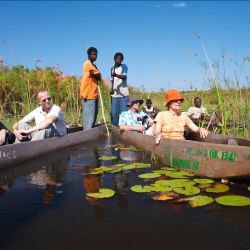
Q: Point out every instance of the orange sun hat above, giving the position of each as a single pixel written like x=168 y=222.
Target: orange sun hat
x=173 y=95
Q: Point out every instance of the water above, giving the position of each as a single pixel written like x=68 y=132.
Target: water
x=43 y=206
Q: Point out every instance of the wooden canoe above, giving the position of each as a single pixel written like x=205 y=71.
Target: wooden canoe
x=17 y=153
x=211 y=157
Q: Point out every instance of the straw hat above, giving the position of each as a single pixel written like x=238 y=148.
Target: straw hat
x=173 y=95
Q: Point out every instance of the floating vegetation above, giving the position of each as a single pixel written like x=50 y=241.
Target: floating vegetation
x=233 y=200
x=187 y=190
x=175 y=183
x=162 y=189
x=248 y=188
x=128 y=148
x=162 y=197
x=103 y=193
x=140 y=189
x=107 y=157
x=203 y=181
x=202 y=186
x=198 y=200
x=178 y=174
x=218 y=188
x=149 y=175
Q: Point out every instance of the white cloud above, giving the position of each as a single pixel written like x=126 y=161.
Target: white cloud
x=180 y=5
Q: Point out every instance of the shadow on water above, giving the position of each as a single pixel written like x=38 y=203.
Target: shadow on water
x=43 y=206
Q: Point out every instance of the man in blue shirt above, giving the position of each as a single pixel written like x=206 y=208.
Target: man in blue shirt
x=134 y=119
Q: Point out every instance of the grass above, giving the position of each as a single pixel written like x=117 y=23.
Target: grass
x=19 y=87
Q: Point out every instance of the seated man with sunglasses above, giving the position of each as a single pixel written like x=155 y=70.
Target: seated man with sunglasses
x=48 y=118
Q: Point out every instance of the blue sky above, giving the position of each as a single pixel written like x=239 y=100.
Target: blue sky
x=156 y=37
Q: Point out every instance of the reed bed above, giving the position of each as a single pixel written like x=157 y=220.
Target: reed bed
x=19 y=87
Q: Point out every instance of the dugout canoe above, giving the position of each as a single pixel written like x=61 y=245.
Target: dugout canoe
x=17 y=153
x=211 y=157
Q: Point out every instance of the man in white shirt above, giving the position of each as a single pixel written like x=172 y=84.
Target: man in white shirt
x=119 y=88
x=48 y=118
x=197 y=112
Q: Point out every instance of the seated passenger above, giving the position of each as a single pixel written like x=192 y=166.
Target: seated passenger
x=198 y=112
x=150 y=110
x=6 y=137
x=134 y=119
x=48 y=118
x=171 y=123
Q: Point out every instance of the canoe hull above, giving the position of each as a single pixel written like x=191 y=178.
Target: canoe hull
x=202 y=158
x=17 y=153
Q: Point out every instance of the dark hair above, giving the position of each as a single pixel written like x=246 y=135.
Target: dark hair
x=118 y=54
x=91 y=49
x=197 y=98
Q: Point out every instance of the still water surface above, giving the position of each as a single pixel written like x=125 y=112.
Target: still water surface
x=43 y=206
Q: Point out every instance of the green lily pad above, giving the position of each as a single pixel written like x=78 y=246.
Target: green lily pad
x=96 y=171
x=141 y=165
x=103 y=193
x=129 y=166
x=233 y=200
x=187 y=190
x=248 y=188
x=106 y=169
x=198 y=200
x=218 y=188
x=107 y=157
x=159 y=171
x=175 y=174
x=160 y=189
x=140 y=189
x=203 y=181
x=149 y=175
x=167 y=168
x=175 y=183
x=203 y=186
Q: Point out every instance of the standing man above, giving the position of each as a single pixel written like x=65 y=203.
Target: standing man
x=119 y=88
x=88 y=89
x=48 y=118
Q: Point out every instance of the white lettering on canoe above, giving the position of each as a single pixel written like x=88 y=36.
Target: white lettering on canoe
x=6 y=155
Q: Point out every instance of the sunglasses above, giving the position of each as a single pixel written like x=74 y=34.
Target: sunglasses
x=46 y=99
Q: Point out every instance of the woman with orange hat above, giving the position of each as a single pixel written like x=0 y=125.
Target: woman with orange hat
x=172 y=122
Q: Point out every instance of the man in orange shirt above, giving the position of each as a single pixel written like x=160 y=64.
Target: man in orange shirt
x=88 y=89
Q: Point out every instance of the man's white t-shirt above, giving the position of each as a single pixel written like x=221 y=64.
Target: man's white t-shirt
x=38 y=115
x=196 y=112
x=120 y=86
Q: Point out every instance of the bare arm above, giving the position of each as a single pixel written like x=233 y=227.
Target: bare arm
x=203 y=132
x=44 y=124
x=123 y=77
x=157 y=133
x=2 y=136
x=127 y=128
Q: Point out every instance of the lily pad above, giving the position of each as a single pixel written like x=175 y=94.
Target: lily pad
x=103 y=193
x=187 y=190
x=198 y=200
x=107 y=157
x=203 y=181
x=175 y=183
x=149 y=175
x=129 y=166
x=140 y=189
x=248 y=188
x=218 y=188
x=205 y=185
x=175 y=174
x=233 y=200
x=96 y=171
x=161 y=189
x=141 y=165
x=162 y=197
